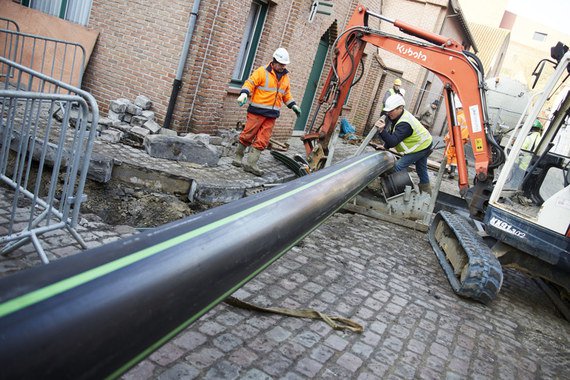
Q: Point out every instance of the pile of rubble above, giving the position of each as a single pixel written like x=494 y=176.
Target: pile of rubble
x=133 y=124
x=129 y=123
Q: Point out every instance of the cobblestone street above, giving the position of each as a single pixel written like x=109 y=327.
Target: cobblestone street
x=387 y=279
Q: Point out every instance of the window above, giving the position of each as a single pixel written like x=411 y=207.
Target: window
x=538 y=36
x=76 y=11
x=249 y=42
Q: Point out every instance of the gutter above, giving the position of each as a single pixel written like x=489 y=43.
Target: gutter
x=177 y=84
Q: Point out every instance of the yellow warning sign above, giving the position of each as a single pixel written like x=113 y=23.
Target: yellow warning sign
x=478 y=145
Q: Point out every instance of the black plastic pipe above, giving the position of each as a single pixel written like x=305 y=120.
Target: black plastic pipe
x=98 y=313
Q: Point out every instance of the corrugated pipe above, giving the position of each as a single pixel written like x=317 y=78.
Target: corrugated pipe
x=177 y=84
x=98 y=313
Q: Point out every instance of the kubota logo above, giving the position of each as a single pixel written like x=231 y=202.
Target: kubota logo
x=411 y=52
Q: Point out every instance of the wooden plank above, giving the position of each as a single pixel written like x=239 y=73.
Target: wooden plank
x=385 y=217
x=35 y=22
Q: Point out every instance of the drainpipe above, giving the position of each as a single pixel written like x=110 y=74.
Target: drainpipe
x=177 y=84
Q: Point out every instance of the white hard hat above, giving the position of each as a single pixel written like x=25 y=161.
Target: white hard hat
x=457 y=102
x=393 y=102
x=282 y=56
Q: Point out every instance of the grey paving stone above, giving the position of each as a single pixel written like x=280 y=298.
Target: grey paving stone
x=349 y=361
x=243 y=357
x=255 y=374
x=308 y=367
x=227 y=342
x=204 y=357
x=167 y=354
x=274 y=363
x=278 y=334
x=189 y=340
x=178 y=372
x=222 y=370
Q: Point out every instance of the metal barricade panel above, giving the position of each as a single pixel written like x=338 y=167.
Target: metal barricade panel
x=59 y=59
x=46 y=139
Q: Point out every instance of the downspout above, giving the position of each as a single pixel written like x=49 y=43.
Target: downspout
x=177 y=84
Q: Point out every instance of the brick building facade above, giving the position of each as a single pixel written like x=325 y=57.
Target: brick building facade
x=140 y=45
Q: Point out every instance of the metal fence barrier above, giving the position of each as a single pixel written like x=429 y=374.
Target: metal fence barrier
x=58 y=59
x=46 y=139
x=6 y=23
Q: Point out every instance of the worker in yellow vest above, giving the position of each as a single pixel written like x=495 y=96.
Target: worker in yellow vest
x=409 y=137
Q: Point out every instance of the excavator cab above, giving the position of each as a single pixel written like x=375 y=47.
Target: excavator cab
x=526 y=224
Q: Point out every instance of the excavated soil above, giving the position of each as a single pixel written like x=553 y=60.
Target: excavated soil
x=119 y=204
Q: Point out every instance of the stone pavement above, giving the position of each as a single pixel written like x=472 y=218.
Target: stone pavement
x=382 y=276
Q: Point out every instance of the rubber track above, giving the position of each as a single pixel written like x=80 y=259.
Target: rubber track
x=484 y=276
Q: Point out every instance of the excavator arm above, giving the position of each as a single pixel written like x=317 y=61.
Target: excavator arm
x=459 y=71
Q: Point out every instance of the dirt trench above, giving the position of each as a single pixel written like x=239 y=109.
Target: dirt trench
x=117 y=203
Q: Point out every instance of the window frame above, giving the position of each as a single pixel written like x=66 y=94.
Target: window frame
x=70 y=10
x=249 y=43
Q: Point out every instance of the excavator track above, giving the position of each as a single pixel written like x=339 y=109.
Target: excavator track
x=469 y=264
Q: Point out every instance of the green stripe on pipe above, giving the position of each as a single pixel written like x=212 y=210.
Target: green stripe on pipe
x=59 y=287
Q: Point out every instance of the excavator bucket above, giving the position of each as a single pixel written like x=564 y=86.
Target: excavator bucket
x=469 y=264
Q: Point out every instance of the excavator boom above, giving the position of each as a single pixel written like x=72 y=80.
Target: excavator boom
x=441 y=55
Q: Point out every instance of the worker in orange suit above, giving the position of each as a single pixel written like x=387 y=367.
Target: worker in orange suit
x=450 y=148
x=269 y=89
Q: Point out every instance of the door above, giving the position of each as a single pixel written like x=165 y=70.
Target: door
x=313 y=82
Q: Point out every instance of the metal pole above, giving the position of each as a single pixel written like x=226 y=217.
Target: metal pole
x=100 y=312
x=177 y=84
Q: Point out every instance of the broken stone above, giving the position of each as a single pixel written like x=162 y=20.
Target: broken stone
x=123 y=127
x=119 y=105
x=111 y=135
x=135 y=137
x=181 y=149
x=215 y=195
x=100 y=168
x=229 y=141
x=127 y=118
x=134 y=110
x=167 y=132
x=115 y=116
x=149 y=115
x=203 y=137
x=152 y=126
x=143 y=102
x=108 y=122
x=138 y=121
x=216 y=140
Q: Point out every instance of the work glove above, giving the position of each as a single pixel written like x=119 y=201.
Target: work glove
x=242 y=99
x=297 y=110
x=380 y=123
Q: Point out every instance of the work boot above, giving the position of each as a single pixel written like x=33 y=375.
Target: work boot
x=239 y=155
x=452 y=172
x=425 y=188
x=251 y=163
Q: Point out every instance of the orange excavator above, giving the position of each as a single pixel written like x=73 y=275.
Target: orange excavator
x=471 y=266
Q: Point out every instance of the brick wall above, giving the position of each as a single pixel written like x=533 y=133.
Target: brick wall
x=137 y=50
x=140 y=44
